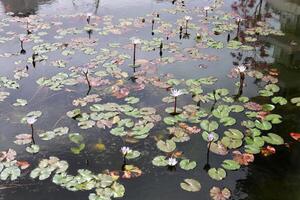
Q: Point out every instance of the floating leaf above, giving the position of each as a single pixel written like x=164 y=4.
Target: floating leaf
x=78 y=149
x=20 y=102
x=273 y=138
x=218 y=194
x=167 y=146
x=230 y=165
x=33 y=149
x=218 y=148
x=242 y=159
x=209 y=126
x=279 y=100
x=263 y=125
x=160 y=161
x=217 y=174
x=133 y=154
x=76 y=138
x=190 y=185
x=186 y=164
x=296 y=101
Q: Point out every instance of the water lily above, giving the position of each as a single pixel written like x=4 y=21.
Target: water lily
x=88 y=17
x=206 y=9
x=125 y=150
x=188 y=18
x=172 y=162
x=135 y=42
x=31 y=120
x=176 y=93
x=241 y=68
x=22 y=37
x=239 y=19
x=210 y=137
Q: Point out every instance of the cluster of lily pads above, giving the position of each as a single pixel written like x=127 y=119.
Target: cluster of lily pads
x=211 y=112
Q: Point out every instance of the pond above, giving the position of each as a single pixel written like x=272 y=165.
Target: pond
x=145 y=99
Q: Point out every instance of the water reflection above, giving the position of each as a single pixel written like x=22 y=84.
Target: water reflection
x=272 y=178
x=287 y=48
x=23 y=8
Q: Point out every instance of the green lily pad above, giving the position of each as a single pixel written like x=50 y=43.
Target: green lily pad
x=186 y=164
x=170 y=120
x=273 y=138
x=167 y=146
x=296 y=101
x=231 y=165
x=11 y=173
x=279 y=100
x=217 y=174
x=133 y=154
x=209 y=125
x=263 y=125
x=228 y=121
x=76 y=138
x=78 y=149
x=190 y=185
x=274 y=118
x=234 y=133
x=268 y=107
x=33 y=149
x=160 y=161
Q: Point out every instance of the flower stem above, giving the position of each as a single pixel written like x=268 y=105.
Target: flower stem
x=32 y=133
x=88 y=81
x=175 y=105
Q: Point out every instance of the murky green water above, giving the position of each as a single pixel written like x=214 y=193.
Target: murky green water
x=268 y=178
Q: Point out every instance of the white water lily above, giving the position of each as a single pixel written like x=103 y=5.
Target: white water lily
x=176 y=93
x=85 y=70
x=136 y=41
x=89 y=15
x=125 y=150
x=172 y=161
x=22 y=37
x=241 y=68
x=206 y=8
x=239 y=19
x=187 y=18
x=31 y=120
x=210 y=137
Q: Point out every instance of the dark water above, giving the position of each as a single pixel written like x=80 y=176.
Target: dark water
x=269 y=178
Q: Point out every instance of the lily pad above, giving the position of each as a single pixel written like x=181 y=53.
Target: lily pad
x=230 y=165
x=190 y=185
x=167 y=146
x=274 y=139
x=186 y=164
x=217 y=174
